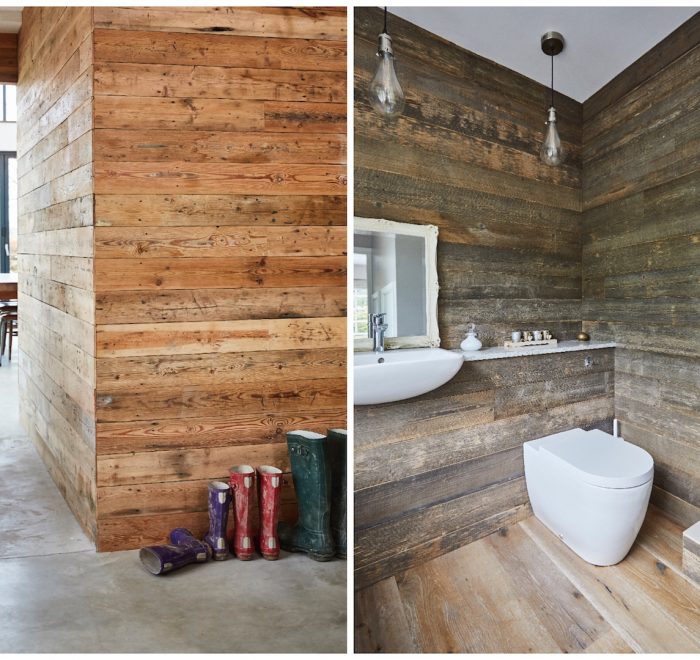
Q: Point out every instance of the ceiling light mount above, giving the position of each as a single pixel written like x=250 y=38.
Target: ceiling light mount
x=552 y=43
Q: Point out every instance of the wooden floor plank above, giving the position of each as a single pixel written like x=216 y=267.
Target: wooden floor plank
x=435 y=623
x=663 y=538
x=671 y=591
x=561 y=608
x=522 y=590
x=611 y=642
x=472 y=595
x=642 y=622
x=380 y=621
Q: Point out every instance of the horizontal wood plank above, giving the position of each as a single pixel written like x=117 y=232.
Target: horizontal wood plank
x=220 y=210
x=218 y=273
x=284 y=22
x=146 y=242
x=218 y=304
x=218 y=336
x=156 y=47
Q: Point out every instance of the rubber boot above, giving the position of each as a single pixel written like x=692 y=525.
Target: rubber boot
x=219 y=503
x=312 y=482
x=337 y=454
x=269 y=490
x=242 y=479
x=183 y=549
x=183 y=538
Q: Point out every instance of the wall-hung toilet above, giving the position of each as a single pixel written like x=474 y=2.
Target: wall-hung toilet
x=591 y=489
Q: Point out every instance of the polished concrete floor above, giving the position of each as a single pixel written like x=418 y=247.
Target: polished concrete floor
x=58 y=595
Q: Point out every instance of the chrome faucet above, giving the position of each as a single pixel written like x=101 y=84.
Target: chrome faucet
x=377 y=328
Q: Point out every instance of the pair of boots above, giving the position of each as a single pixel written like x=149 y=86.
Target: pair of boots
x=320 y=481
x=240 y=490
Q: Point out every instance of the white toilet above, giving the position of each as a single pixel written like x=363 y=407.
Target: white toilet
x=591 y=489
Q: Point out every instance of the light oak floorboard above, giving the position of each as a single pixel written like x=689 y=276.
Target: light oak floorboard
x=522 y=590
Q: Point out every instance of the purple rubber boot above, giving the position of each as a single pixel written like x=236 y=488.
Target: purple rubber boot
x=219 y=503
x=183 y=538
x=161 y=559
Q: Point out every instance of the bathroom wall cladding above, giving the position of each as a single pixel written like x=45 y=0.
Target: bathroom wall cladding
x=641 y=255
x=441 y=470
x=214 y=276
x=464 y=156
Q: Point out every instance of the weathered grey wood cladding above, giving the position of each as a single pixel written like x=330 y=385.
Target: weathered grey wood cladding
x=444 y=469
x=641 y=255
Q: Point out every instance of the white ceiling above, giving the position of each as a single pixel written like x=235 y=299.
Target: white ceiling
x=600 y=41
x=10 y=19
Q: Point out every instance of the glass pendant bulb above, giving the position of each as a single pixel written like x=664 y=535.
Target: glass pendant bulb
x=551 y=151
x=385 y=93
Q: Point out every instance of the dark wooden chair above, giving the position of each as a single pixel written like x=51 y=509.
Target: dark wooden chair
x=8 y=330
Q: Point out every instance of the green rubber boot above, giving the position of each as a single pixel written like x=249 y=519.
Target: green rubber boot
x=308 y=455
x=337 y=453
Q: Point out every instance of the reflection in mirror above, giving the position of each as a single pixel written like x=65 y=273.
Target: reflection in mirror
x=391 y=275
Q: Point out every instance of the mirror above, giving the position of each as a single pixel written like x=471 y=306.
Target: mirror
x=395 y=272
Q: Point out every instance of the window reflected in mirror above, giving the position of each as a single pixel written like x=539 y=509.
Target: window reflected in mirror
x=395 y=283
x=389 y=278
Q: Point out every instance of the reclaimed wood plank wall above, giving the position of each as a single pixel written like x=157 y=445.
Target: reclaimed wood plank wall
x=641 y=255
x=56 y=301
x=443 y=469
x=220 y=251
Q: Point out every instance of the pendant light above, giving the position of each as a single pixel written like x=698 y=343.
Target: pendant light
x=385 y=93
x=552 y=152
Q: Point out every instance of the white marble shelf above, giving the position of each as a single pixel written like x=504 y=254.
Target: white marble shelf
x=498 y=352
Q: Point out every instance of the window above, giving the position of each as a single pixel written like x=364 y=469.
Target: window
x=8 y=212
x=9 y=103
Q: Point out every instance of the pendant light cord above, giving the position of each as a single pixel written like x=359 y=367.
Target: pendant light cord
x=552 y=58
x=385 y=32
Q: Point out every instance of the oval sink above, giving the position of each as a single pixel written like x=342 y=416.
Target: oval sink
x=402 y=373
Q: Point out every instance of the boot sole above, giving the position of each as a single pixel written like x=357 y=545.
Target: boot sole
x=315 y=556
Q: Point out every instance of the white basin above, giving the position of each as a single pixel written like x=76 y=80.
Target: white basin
x=402 y=373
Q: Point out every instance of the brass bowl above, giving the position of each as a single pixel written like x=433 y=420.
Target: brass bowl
x=583 y=336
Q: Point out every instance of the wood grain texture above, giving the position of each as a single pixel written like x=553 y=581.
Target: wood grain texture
x=220 y=251
x=8 y=58
x=641 y=264
x=220 y=304
x=218 y=273
x=221 y=210
x=283 y=22
x=691 y=559
x=156 y=47
x=57 y=366
x=464 y=156
x=520 y=590
x=206 y=317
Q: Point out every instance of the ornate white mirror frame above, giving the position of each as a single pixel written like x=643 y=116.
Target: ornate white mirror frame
x=429 y=233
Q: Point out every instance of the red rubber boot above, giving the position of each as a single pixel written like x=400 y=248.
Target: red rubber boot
x=269 y=489
x=242 y=479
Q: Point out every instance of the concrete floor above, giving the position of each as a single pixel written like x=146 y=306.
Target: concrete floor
x=58 y=595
